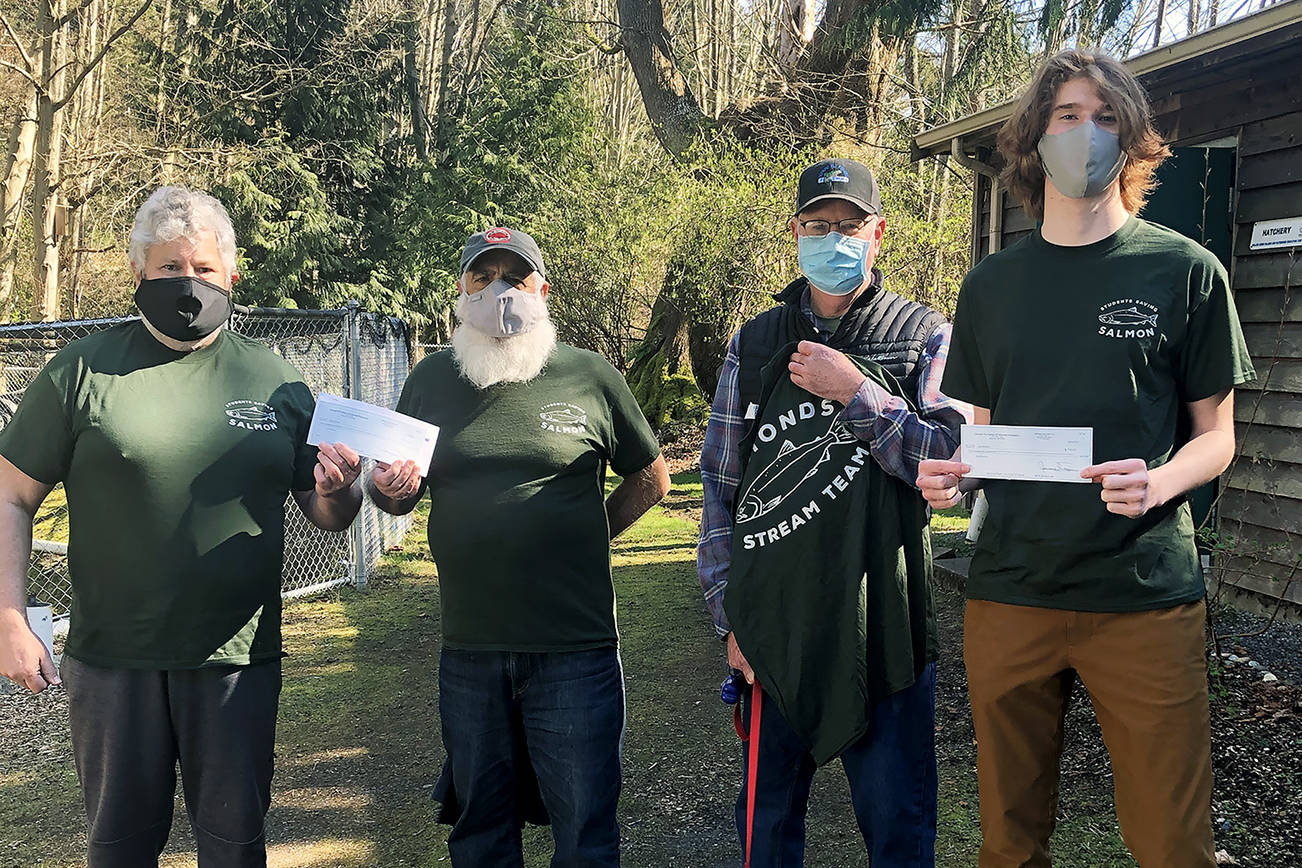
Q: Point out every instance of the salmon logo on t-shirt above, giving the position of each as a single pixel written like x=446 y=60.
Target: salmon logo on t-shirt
x=251 y=415
x=563 y=418
x=1128 y=318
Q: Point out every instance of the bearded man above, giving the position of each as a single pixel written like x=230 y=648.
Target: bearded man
x=531 y=691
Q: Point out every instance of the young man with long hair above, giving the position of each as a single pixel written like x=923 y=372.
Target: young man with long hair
x=1098 y=318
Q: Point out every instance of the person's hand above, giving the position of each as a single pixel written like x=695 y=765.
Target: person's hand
x=825 y=372
x=938 y=480
x=24 y=658
x=738 y=661
x=337 y=468
x=1127 y=486
x=396 y=481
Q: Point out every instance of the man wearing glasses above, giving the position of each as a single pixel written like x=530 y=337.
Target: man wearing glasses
x=814 y=556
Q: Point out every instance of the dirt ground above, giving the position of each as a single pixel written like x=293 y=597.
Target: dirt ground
x=359 y=748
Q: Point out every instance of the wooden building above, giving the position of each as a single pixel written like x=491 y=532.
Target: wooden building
x=1229 y=101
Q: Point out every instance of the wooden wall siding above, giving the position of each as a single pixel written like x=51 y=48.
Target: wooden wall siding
x=1261 y=507
x=1281 y=410
x=1267 y=88
x=1017 y=223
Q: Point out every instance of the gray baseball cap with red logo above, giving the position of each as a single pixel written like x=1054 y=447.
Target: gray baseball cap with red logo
x=502 y=238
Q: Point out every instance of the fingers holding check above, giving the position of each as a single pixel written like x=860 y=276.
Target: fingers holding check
x=337 y=468
x=1126 y=485
x=397 y=481
x=938 y=481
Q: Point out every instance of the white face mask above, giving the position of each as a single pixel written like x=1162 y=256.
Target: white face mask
x=500 y=310
x=1083 y=161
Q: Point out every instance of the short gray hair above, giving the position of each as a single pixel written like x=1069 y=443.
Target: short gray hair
x=179 y=212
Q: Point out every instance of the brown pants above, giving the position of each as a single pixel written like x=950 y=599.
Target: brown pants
x=1146 y=673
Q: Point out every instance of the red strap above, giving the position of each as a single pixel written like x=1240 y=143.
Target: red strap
x=753 y=770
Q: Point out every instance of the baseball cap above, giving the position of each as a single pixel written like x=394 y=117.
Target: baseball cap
x=838 y=179
x=502 y=238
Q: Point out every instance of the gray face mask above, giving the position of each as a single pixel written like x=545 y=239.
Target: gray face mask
x=1083 y=161
x=502 y=311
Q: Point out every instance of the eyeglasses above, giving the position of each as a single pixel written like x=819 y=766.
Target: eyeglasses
x=819 y=228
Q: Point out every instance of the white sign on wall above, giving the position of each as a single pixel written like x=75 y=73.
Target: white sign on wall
x=1277 y=233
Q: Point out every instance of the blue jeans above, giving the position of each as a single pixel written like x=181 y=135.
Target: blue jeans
x=892 y=775
x=510 y=716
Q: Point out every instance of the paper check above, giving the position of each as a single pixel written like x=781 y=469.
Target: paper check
x=1028 y=453
x=372 y=431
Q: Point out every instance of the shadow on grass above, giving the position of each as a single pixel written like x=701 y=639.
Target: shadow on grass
x=359 y=747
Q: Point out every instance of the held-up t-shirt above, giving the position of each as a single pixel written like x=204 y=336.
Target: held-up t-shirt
x=176 y=468
x=1117 y=335
x=517 y=524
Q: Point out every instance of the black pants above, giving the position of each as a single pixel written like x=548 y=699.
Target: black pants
x=129 y=729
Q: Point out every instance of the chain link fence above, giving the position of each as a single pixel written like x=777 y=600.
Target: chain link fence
x=344 y=352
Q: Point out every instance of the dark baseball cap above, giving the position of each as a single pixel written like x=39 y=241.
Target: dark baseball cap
x=838 y=179
x=501 y=238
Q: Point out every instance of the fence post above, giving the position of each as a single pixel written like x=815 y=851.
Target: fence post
x=355 y=392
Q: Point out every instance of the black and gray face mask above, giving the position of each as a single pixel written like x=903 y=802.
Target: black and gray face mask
x=1083 y=161
x=183 y=308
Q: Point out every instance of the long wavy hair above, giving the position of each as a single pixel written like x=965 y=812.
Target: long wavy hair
x=1023 y=173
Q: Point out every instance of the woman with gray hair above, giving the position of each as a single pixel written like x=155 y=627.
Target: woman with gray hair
x=183 y=311
x=177 y=442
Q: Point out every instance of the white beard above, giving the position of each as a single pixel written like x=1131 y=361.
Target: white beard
x=485 y=360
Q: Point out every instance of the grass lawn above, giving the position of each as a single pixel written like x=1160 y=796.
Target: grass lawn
x=359 y=745
x=51 y=522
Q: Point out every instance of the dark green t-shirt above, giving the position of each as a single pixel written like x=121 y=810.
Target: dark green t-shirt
x=176 y=468
x=1117 y=335
x=517 y=523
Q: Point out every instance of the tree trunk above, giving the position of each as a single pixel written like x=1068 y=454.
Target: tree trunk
x=166 y=44
x=45 y=163
x=49 y=215
x=467 y=62
x=430 y=29
x=445 y=69
x=18 y=169
x=411 y=74
x=676 y=117
x=659 y=358
x=184 y=50
x=938 y=260
x=799 y=17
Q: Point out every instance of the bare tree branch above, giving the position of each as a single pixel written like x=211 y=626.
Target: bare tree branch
x=25 y=74
x=22 y=52
x=71 y=14
x=99 y=55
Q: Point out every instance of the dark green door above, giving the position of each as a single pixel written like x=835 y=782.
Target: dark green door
x=1194 y=197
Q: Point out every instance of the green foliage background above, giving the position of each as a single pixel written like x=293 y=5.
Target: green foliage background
x=299 y=116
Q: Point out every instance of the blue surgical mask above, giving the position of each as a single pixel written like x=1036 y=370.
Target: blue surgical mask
x=834 y=263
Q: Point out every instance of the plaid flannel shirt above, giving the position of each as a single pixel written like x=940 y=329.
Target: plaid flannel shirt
x=897 y=437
